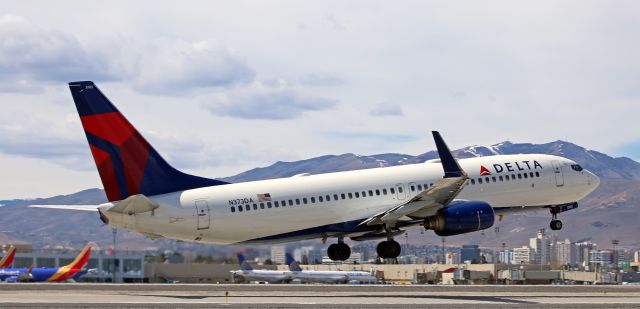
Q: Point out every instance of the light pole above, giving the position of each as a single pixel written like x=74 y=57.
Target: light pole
x=615 y=243
x=113 y=255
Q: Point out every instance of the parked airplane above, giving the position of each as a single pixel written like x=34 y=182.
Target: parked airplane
x=328 y=276
x=149 y=196
x=7 y=259
x=250 y=274
x=48 y=274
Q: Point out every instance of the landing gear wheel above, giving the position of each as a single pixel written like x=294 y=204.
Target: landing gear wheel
x=332 y=252
x=388 y=249
x=343 y=252
x=555 y=225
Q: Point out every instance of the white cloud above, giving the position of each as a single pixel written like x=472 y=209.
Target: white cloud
x=259 y=101
x=385 y=109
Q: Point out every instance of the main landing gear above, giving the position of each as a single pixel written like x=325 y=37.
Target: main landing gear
x=339 y=251
x=555 y=224
x=388 y=249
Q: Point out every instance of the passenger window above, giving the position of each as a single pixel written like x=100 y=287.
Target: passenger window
x=430 y=185
x=400 y=189
x=519 y=176
x=473 y=181
x=364 y=194
x=384 y=191
x=335 y=197
x=350 y=195
x=255 y=207
x=531 y=174
x=513 y=177
x=276 y=204
x=487 y=179
x=297 y=201
x=357 y=194
x=479 y=180
x=494 y=178
x=261 y=205
x=240 y=208
x=233 y=209
x=426 y=186
x=320 y=199
x=283 y=203
x=370 y=192
x=537 y=174
x=413 y=188
x=525 y=175
x=377 y=191
x=343 y=196
x=500 y=178
x=419 y=187
x=268 y=204
x=247 y=208
x=304 y=200
x=290 y=202
x=313 y=199
x=328 y=197
x=393 y=191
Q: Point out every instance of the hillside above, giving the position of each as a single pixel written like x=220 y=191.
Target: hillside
x=610 y=212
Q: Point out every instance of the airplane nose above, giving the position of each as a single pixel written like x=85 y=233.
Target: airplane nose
x=592 y=180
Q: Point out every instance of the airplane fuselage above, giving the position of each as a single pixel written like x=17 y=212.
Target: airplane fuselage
x=334 y=204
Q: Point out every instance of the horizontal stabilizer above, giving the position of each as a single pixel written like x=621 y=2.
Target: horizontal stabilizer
x=69 y=207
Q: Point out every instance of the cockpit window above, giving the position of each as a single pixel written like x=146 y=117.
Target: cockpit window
x=576 y=167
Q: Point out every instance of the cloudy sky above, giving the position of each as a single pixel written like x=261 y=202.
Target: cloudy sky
x=219 y=87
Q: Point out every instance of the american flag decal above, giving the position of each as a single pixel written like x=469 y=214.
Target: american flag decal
x=265 y=197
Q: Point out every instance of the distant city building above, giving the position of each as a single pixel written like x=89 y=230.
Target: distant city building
x=449 y=258
x=541 y=248
x=278 y=255
x=470 y=253
x=522 y=255
x=636 y=256
x=505 y=257
x=582 y=252
x=565 y=252
x=355 y=258
x=602 y=257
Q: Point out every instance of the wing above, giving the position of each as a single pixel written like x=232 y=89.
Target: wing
x=69 y=207
x=432 y=198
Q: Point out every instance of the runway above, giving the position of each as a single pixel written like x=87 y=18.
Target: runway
x=317 y=296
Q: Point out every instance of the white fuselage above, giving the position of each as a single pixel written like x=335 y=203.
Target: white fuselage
x=320 y=276
x=272 y=276
x=333 y=204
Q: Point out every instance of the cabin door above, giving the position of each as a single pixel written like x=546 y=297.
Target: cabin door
x=202 y=215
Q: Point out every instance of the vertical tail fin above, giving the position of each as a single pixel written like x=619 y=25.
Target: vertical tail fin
x=244 y=265
x=68 y=271
x=7 y=259
x=293 y=265
x=127 y=163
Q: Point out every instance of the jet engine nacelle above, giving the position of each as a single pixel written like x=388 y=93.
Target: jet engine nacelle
x=461 y=217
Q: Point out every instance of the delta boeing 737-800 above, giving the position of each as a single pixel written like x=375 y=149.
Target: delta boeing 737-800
x=446 y=195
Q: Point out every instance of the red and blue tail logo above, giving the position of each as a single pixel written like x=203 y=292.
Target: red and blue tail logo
x=484 y=171
x=127 y=163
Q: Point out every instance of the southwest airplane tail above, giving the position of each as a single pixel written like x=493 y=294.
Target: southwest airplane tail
x=7 y=259
x=63 y=273
x=126 y=162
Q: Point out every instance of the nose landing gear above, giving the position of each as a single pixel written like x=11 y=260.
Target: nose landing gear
x=555 y=224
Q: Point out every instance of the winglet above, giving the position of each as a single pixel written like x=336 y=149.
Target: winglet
x=449 y=163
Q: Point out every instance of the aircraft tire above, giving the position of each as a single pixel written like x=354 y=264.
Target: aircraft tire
x=555 y=225
x=332 y=252
x=343 y=252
